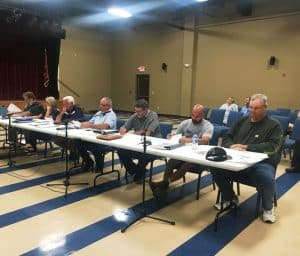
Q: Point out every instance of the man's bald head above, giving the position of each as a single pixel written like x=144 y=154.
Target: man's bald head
x=197 y=113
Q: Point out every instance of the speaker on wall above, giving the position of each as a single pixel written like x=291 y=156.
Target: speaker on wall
x=164 y=67
x=272 y=61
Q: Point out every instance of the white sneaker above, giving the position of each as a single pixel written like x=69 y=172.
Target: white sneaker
x=269 y=215
x=218 y=206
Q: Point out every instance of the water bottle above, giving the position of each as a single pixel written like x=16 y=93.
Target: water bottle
x=3 y=112
x=195 y=140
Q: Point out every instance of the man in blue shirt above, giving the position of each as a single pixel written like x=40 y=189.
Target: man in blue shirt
x=105 y=118
x=245 y=108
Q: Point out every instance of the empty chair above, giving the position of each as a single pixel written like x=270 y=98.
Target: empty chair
x=233 y=117
x=283 y=111
x=284 y=121
x=86 y=117
x=120 y=123
x=293 y=117
x=205 y=113
x=165 y=129
x=217 y=116
x=272 y=112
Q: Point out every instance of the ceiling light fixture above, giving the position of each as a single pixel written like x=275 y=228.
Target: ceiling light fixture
x=119 y=12
x=201 y=0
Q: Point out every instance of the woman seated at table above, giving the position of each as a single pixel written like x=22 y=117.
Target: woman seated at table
x=51 y=113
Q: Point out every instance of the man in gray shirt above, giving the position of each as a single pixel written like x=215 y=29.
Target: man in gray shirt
x=196 y=125
x=144 y=121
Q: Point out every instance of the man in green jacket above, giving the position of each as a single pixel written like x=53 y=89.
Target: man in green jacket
x=258 y=133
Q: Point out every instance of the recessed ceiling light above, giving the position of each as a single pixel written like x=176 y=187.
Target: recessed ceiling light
x=119 y=12
x=201 y=0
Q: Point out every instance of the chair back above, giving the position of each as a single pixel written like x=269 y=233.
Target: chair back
x=165 y=129
x=284 y=121
x=233 y=117
x=217 y=116
x=205 y=113
x=86 y=117
x=272 y=112
x=296 y=130
x=120 y=123
x=283 y=111
x=216 y=135
x=293 y=117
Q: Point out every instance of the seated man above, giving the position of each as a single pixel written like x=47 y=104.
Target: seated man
x=245 y=109
x=229 y=105
x=32 y=108
x=143 y=121
x=103 y=119
x=258 y=133
x=196 y=125
x=70 y=112
x=295 y=164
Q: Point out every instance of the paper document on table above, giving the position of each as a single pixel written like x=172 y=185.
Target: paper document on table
x=12 y=108
x=245 y=159
x=175 y=138
x=169 y=144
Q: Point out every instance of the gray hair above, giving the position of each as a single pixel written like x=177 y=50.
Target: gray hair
x=51 y=100
x=261 y=97
x=69 y=99
x=108 y=100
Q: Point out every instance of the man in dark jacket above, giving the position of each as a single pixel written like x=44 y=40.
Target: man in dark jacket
x=257 y=133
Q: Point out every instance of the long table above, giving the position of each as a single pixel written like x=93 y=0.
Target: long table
x=239 y=159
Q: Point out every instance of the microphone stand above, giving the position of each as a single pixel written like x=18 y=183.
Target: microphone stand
x=10 y=161
x=142 y=212
x=66 y=182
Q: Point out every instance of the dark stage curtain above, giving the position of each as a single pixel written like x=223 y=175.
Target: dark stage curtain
x=22 y=67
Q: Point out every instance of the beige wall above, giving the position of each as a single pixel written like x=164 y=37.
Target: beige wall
x=232 y=60
x=85 y=66
x=149 y=47
x=229 y=60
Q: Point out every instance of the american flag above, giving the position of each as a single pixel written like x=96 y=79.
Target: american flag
x=45 y=72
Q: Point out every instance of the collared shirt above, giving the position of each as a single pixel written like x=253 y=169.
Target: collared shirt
x=228 y=108
x=108 y=117
x=187 y=128
x=75 y=114
x=35 y=109
x=245 y=110
x=149 y=122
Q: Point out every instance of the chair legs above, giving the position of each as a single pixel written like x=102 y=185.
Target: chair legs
x=258 y=201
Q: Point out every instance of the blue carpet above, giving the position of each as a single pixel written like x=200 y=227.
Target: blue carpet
x=207 y=242
x=105 y=227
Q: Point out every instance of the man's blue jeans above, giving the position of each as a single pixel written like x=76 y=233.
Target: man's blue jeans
x=260 y=175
